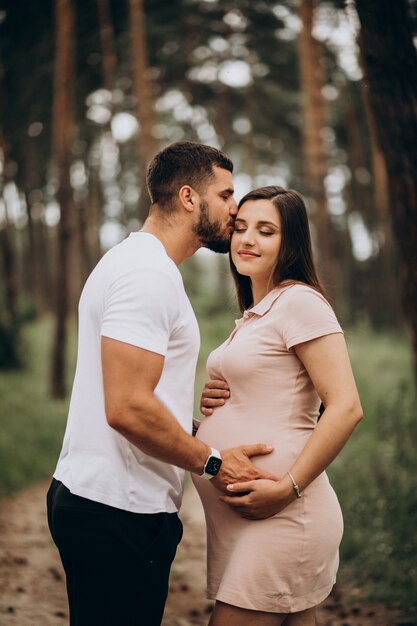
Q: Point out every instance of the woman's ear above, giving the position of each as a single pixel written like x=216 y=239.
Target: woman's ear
x=188 y=197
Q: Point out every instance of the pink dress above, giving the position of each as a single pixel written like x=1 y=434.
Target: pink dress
x=288 y=562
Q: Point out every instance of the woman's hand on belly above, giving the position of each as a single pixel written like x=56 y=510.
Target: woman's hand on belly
x=259 y=499
x=237 y=466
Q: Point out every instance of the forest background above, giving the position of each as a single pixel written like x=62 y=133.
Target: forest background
x=320 y=96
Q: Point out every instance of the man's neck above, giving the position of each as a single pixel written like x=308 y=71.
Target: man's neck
x=179 y=242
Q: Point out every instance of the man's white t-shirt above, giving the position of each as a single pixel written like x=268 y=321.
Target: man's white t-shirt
x=135 y=295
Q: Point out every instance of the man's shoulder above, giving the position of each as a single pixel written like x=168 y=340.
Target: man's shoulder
x=136 y=256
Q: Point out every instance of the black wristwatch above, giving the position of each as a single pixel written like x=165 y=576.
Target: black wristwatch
x=212 y=465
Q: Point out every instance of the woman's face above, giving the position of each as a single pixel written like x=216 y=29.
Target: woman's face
x=256 y=240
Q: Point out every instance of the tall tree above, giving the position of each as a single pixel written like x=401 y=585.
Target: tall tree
x=107 y=44
x=36 y=258
x=390 y=62
x=63 y=124
x=385 y=298
x=92 y=210
x=9 y=323
x=315 y=153
x=144 y=98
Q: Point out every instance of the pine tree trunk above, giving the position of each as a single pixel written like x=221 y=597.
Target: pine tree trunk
x=35 y=247
x=9 y=263
x=357 y=201
x=144 y=99
x=386 y=306
x=9 y=320
x=382 y=292
x=315 y=153
x=31 y=265
x=62 y=140
x=93 y=217
x=93 y=210
x=390 y=63
x=107 y=44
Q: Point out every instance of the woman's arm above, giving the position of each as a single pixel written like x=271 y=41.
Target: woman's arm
x=327 y=362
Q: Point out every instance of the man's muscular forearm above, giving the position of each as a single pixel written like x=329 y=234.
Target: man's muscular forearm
x=155 y=431
x=152 y=428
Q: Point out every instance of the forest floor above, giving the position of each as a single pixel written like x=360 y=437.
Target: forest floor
x=32 y=585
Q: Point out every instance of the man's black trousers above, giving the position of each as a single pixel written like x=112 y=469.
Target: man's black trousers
x=117 y=563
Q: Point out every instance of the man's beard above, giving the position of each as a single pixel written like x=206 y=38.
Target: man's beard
x=211 y=234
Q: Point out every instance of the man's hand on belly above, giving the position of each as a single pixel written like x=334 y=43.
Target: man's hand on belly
x=237 y=466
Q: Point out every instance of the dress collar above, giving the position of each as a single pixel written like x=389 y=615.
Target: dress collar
x=267 y=301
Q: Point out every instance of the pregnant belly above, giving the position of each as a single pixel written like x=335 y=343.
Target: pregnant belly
x=230 y=426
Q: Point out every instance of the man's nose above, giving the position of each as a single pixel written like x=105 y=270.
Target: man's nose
x=233 y=208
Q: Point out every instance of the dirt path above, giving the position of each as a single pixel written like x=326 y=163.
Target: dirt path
x=32 y=586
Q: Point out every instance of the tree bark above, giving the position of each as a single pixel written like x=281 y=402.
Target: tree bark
x=385 y=296
x=144 y=99
x=381 y=293
x=315 y=153
x=8 y=257
x=93 y=217
x=9 y=320
x=107 y=44
x=63 y=115
x=37 y=251
x=390 y=63
x=93 y=210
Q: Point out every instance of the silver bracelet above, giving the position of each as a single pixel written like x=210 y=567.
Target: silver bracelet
x=294 y=485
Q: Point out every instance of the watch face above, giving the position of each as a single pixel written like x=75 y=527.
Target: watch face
x=213 y=465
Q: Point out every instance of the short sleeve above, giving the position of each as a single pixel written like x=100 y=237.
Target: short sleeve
x=307 y=315
x=140 y=308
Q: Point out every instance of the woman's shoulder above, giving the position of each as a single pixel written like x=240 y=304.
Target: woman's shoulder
x=305 y=315
x=302 y=294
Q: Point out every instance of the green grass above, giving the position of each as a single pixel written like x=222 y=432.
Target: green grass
x=31 y=423
x=375 y=476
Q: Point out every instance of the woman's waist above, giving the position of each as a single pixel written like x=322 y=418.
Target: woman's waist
x=293 y=413
x=230 y=423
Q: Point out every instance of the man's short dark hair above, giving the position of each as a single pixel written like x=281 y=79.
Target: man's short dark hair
x=182 y=163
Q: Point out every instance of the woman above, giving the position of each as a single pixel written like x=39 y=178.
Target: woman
x=273 y=545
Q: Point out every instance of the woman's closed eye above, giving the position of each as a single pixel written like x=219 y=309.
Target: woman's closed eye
x=242 y=229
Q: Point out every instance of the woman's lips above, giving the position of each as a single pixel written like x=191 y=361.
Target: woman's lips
x=247 y=254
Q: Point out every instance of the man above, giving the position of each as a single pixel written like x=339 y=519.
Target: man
x=113 y=502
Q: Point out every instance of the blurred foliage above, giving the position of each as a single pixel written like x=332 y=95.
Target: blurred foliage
x=375 y=476
x=31 y=424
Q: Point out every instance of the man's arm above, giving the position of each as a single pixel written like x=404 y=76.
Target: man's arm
x=130 y=376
